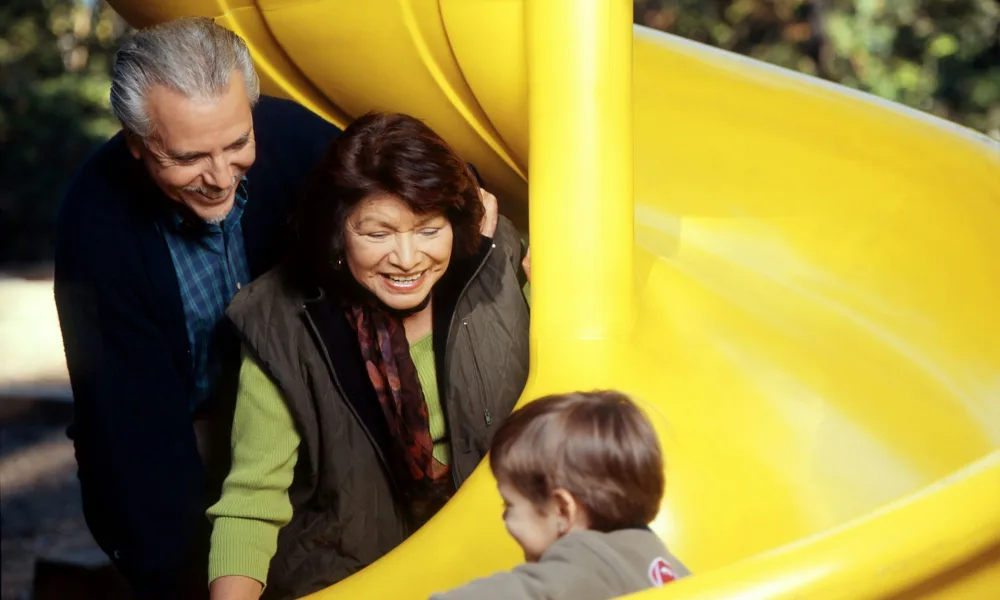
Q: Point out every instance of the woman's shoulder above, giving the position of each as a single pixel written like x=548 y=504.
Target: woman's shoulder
x=276 y=289
x=507 y=237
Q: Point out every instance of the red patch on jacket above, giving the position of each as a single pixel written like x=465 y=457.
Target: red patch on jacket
x=660 y=572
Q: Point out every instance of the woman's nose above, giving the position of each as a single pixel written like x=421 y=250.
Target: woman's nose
x=405 y=254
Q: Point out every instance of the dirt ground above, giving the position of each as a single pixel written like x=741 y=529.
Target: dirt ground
x=40 y=512
x=46 y=550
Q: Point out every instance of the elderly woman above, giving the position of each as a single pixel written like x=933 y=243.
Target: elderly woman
x=377 y=362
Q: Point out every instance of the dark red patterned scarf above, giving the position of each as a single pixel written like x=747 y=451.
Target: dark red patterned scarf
x=425 y=482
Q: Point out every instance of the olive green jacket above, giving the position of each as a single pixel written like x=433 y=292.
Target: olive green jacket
x=584 y=565
x=346 y=512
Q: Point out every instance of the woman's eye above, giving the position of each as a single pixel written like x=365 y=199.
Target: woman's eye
x=378 y=235
x=430 y=231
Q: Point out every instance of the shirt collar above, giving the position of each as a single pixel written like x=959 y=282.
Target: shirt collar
x=183 y=220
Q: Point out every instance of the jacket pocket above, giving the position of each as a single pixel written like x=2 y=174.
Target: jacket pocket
x=480 y=417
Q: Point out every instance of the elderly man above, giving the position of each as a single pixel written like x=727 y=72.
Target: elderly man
x=156 y=234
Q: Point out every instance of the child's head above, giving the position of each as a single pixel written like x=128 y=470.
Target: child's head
x=587 y=460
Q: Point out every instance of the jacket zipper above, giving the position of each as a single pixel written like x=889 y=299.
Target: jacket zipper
x=447 y=361
x=343 y=396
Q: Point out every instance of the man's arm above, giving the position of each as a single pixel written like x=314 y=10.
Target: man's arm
x=140 y=472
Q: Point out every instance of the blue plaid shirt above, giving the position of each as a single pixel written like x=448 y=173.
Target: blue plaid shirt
x=211 y=266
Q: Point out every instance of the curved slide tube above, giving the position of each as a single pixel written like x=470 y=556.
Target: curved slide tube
x=812 y=311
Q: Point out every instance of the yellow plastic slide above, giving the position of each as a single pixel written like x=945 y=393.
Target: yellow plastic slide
x=802 y=282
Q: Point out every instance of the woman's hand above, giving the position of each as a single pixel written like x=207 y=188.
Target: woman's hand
x=526 y=264
x=490 y=215
x=235 y=587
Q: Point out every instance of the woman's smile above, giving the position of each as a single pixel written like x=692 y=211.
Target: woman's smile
x=396 y=254
x=404 y=283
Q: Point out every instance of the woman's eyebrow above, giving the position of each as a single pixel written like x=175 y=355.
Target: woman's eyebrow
x=425 y=219
x=374 y=220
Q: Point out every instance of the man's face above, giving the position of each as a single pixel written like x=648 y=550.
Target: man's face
x=200 y=148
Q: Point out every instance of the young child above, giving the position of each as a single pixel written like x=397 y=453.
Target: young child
x=581 y=476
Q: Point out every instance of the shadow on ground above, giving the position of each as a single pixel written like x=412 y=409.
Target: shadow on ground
x=47 y=551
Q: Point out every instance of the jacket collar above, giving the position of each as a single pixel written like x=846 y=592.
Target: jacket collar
x=322 y=305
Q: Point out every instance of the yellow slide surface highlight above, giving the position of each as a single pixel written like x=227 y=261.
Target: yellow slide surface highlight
x=812 y=313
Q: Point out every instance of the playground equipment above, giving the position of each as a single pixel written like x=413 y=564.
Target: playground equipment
x=800 y=281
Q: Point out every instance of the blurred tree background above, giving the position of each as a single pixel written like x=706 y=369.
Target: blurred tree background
x=940 y=56
x=55 y=65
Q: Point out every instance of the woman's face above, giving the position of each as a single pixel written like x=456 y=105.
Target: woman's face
x=395 y=253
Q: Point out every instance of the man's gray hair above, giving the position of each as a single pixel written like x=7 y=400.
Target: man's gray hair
x=192 y=56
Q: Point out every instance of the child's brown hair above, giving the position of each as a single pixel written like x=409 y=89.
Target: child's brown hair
x=598 y=446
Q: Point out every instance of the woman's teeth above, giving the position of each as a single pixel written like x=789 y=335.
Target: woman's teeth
x=409 y=279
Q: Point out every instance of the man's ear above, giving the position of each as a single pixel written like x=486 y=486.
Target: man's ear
x=571 y=514
x=134 y=143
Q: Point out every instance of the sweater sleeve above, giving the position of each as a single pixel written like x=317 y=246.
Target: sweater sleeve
x=254 y=505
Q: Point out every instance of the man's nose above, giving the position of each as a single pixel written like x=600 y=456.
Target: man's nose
x=219 y=173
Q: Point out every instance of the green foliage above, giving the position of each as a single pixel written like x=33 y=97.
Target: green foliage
x=942 y=56
x=55 y=64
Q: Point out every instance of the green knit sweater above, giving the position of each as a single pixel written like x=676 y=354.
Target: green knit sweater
x=254 y=505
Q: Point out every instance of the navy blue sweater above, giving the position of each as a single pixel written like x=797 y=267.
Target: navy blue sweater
x=144 y=487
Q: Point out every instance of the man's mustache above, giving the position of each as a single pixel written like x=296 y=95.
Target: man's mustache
x=213 y=192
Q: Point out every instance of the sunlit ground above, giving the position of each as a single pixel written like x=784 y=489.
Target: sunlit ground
x=40 y=514
x=31 y=355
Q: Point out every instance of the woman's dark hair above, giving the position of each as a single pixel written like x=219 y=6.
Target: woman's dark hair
x=383 y=154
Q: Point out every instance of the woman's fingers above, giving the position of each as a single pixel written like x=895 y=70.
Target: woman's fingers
x=526 y=264
x=490 y=215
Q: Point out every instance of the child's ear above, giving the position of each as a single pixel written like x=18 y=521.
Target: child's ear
x=569 y=512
